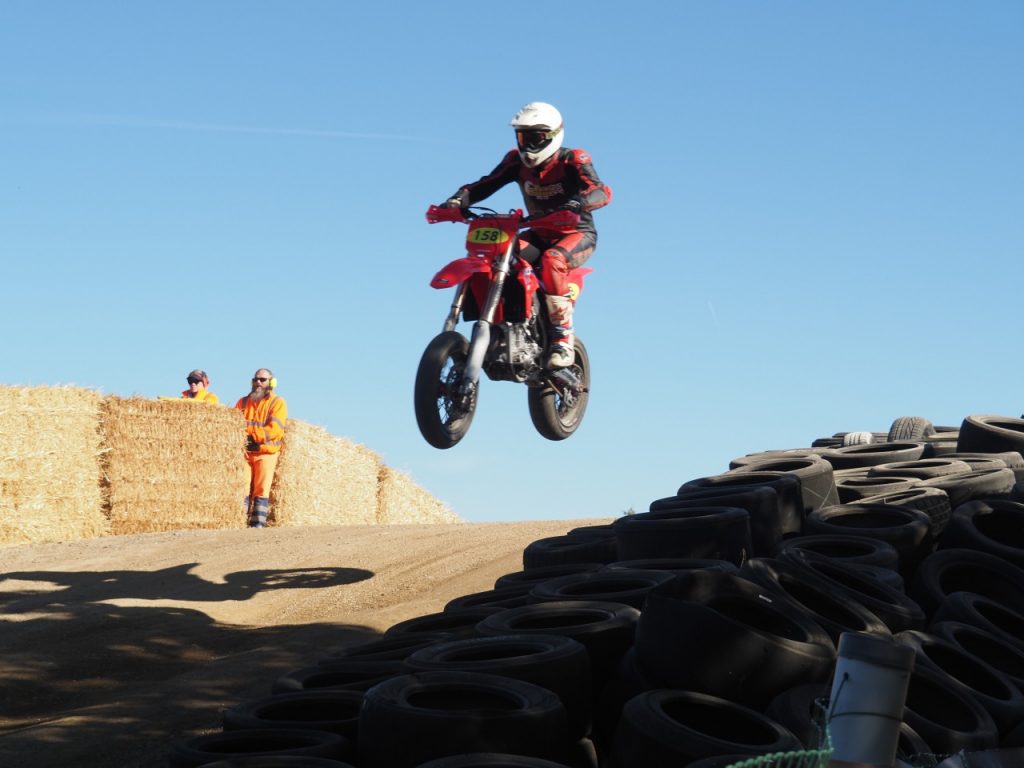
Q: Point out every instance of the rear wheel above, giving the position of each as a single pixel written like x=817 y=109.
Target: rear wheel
x=557 y=409
x=443 y=412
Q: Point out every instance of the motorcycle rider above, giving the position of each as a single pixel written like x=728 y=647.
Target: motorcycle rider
x=551 y=177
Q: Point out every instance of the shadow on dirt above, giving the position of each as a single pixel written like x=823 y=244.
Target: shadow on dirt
x=177 y=583
x=83 y=682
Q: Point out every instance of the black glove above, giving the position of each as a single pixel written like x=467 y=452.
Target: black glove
x=458 y=200
x=251 y=445
x=573 y=205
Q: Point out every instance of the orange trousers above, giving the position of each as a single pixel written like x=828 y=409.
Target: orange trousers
x=260 y=473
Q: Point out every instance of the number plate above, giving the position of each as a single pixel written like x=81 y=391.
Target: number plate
x=486 y=236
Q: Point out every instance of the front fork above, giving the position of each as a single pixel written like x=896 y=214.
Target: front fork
x=481 y=338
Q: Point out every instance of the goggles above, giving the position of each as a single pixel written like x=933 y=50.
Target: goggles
x=192 y=380
x=532 y=139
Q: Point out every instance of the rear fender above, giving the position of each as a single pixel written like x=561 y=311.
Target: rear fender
x=575 y=281
x=458 y=271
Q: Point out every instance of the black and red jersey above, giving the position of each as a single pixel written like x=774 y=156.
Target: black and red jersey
x=567 y=175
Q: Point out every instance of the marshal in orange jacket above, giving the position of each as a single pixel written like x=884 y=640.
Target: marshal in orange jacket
x=264 y=421
x=203 y=396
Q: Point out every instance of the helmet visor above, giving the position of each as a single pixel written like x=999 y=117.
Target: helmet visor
x=534 y=139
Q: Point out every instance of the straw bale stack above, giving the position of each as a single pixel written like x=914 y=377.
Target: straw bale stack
x=323 y=480
x=172 y=465
x=400 y=500
x=50 y=465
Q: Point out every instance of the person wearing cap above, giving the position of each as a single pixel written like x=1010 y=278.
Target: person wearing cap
x=198 y=383
x=265 y=416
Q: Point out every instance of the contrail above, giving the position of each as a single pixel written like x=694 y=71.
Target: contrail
x=179 y=125
x=714 y=315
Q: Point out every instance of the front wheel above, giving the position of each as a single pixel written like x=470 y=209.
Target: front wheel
x=557 y=408
x=443 y=410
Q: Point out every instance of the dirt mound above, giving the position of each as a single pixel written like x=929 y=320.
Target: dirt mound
x=112 y=648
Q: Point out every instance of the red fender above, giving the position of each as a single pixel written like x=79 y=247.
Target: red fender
x=575 y=281
x=458 y=271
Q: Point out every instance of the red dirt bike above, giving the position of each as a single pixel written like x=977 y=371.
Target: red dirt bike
x=510 y=332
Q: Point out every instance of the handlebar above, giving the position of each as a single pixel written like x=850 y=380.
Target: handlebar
x=560 y=219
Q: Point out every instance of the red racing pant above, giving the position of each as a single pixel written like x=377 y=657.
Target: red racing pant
x=557 y=255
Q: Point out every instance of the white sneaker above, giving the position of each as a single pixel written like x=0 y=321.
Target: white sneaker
x=562 y=356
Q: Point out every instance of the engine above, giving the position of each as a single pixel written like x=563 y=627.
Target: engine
x=515 y=353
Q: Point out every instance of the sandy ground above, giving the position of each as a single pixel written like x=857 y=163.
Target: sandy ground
x=111 y=649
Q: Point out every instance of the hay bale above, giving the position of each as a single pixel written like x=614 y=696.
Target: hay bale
x=172 y=465
x=400 y=500
x=323 y=480
x=50 y=467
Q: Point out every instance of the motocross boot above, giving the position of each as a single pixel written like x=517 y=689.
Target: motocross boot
x=561 y=353
x=260 y=508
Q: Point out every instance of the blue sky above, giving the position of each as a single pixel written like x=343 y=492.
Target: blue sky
x=817 y=224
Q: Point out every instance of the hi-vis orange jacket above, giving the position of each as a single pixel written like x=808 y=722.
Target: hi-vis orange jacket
x=203 y=395
x=264 y=421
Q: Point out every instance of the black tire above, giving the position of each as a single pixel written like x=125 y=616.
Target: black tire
x=834 y=613
x=612 y=586
x=442 y=416
x=410 y=719
x=385 y=648
x=908 y=530
x=557 y=416
x=504 y=597
x=910 y=428
x=284 y=761
x=985 y=613
x=336 y=711
x=934 y=502
x=692 y=529
x=987 y=646
x=979 y=484
x=786 y=486
x=542 y=573
x=606 y=630
x=817 y=484
x=991 y=434
x=995 y=526
x=345 y=674
x=1012 y=459
x=277 y=742
x=561 y=550
x=946 y=717
x=887 y=576
x=912 y=749
x=977 y=679
x=761 y=502
x=852 y=489
x=775 y=455
x=895 y=609
x=490 y=760
x=922 y=469
x=872 y=454
x=673 y=565
x=966 y=570
x=675 y=727
x=456 y=623
x=802 y=710
x=772 y=642
x=555 y=662
x=847 y=548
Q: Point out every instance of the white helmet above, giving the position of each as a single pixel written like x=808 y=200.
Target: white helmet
x=538 y=132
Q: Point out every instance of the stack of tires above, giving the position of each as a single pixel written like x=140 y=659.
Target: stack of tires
x=703 y=631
